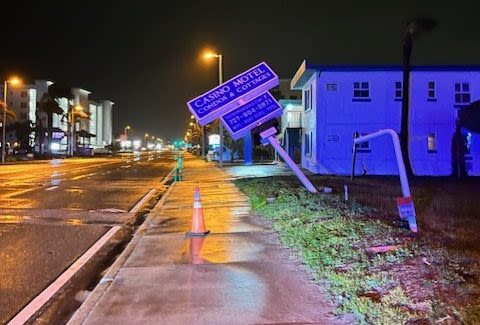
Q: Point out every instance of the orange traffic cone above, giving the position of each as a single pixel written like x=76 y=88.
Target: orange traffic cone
x=198 y=225
x=196 y=244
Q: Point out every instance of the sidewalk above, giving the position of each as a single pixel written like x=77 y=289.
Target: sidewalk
x=238 y=274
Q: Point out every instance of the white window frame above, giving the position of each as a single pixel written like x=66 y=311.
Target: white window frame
x=359 y=87
x=307 y=96
x=462 y=92
x=307 y=145
x=364 y=146
x=397 y=89
x=432 y=139
x=433 y=89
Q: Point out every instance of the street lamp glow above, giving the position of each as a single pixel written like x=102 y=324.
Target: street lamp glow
x=127 y=127
x=14 y=81
x=77 y=108
x=209 y=54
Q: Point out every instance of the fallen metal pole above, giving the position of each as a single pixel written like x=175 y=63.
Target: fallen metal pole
x=269 y=134
x=410 y=211
x=398 y=153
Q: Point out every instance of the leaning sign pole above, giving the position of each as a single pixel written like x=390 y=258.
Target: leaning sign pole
x=243 y=103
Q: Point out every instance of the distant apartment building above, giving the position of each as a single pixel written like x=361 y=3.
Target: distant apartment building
x=100 y=123
x=93 y=132
x=22 y=101
x=338 y=101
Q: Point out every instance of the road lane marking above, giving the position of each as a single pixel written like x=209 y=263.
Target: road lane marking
x=39 y=301
x=51 y=188
x=29 y=310
x=145 y=198
x=83 y=176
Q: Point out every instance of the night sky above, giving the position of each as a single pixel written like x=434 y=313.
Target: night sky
x=145 y=56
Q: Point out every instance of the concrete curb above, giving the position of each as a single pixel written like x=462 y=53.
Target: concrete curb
x=83 y=312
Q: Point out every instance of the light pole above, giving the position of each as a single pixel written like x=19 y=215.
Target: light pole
x=13 y=81
x=125 y=131
x=202 y=130
x=75 y=110
x=209 y=55
x=145 y=138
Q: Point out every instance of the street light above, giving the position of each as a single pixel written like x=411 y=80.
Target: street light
x=14 y=81
x=125 y=131
x=207 y=56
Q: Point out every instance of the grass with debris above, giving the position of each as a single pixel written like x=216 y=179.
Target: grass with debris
x=419 y=282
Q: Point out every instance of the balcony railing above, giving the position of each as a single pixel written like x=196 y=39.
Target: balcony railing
x=292 y=119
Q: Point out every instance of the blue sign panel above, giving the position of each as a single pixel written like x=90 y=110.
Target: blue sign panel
x=253 y=113
x=226 y=96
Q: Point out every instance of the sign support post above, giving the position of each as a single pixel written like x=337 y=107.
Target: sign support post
x=247 y=149
x=243 y=103
x=405 y=205
x=269 y=134
x=220 y=81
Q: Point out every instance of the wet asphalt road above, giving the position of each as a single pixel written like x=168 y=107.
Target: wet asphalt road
x=49 y=215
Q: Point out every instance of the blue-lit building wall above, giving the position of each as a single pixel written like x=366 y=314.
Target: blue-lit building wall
x=339 y=101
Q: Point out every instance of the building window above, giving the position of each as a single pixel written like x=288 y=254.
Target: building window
x=307 y=145
x=332 y=87
x=23 y=105
x=431 y=96
x=363 y=146
x=431 y=143
x=468 y=143
x=307 y=97
x=23 y=94
x=398 y=90
x=462 y=93
x=361 y=91
x=311 y=142
x=23 y=116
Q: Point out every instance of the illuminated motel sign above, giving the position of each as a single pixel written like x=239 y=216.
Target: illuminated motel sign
x=232 y=93
x=242 y=119
x=243 y=103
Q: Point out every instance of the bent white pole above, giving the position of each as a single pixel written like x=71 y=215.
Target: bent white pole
x=398 y=154
x=408 y=204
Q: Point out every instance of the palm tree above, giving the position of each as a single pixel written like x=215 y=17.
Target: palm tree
x=9 y=114
x=49 y=104
x=414 y=30
x=23 y=131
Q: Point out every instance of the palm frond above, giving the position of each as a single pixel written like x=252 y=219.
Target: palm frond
x=10 y=114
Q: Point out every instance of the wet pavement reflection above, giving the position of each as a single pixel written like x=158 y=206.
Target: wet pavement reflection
x=51 y=212
x=237 y=274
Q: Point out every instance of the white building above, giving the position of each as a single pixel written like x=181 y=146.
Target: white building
x=107 y=122
x=341 y=100
x=24 y=101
